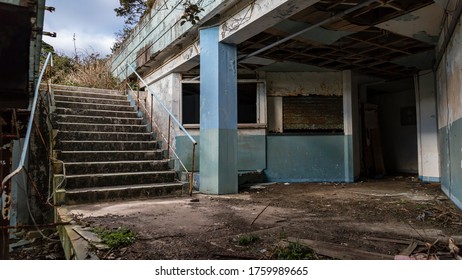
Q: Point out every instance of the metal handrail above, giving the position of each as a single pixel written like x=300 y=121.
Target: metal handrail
x=171 y=117
x=25 y=148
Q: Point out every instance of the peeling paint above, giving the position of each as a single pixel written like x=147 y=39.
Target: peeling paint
x=408 y=17
x=318 y=34
x=425 y=37
x=304 y=84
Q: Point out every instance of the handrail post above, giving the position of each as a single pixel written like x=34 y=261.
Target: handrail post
x=191 y=177
x=152 y=113
x=160 y=128
x=169 y=135
x=138 y=98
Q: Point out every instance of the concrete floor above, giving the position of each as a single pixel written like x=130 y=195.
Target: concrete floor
x=354 y=216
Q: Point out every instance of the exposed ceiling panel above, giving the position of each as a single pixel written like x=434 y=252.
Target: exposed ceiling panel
x=353 y=42
x=424 y=24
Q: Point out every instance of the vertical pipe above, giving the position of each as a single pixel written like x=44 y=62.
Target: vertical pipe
x=191 y=177
x=169 y=135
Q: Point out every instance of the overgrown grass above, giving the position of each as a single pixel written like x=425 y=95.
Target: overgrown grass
x=116 y=237
x=247 y=240
x=295 y=251
x=85 y=69
x=90 y=71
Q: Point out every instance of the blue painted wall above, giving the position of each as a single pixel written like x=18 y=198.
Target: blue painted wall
x=286 y=158
x=306 y=158
x=251 y=153
x=450 y=142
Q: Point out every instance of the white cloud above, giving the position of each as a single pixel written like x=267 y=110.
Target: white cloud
x=84 y=43
x=93 y=23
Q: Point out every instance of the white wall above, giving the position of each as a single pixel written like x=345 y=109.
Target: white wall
x=427 y=130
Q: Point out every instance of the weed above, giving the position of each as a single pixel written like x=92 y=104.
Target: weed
x=115 y=238
x=295 y=251
x=282 y=234
x=246 y=240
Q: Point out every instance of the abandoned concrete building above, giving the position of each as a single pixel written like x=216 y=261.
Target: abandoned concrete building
x=224 y=92
x=306 y=90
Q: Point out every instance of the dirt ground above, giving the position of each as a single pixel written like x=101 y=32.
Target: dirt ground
x=380 y=217
x=377 y=216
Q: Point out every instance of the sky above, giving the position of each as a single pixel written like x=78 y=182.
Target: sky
x=93 y=22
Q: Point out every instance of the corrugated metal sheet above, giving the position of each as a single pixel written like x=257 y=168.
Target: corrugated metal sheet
x=313 y=113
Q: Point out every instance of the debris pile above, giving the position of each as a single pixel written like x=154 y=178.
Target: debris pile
x=441 y=249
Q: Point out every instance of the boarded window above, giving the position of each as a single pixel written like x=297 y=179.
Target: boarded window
x=313 y=114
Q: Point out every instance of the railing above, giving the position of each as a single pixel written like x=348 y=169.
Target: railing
x=6 y=190
x=170 y=118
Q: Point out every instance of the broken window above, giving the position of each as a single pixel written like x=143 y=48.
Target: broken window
x=313 y=114
x=246 y=103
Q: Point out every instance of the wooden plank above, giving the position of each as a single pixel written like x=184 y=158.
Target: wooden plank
x=410 y=249
x=338 y=251
x=397 y=241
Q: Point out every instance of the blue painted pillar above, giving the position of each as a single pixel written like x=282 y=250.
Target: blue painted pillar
x=218 y=114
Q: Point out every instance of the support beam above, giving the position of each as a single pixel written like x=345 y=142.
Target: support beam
x=350 y=127
x=427 y=127
x=258 y=16
x=218 y=115
x=186 y=60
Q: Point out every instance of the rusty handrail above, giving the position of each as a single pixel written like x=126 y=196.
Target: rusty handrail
x=170 y=118
x=6 y=200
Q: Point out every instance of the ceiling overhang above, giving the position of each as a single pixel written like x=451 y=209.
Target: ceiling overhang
x=389 y=39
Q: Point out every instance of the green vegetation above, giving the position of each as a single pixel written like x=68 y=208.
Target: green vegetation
x=295 y=251
x=246 y=240
x=84 y=69
x=116 y=238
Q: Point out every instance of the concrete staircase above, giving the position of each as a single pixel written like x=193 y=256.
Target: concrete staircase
x=104 y=150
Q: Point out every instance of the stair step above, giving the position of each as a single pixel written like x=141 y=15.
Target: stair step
x=87 y=89
x=106 y=150
x=92 y=112
x=92 y=100
x=76 y=168
x=103 y=136
x=92 y=195
x=98 y=119
x=91 y=156
x=93 y=94
x=101 y=127
x=69 y=145
x=91 y=106
x=114 y=179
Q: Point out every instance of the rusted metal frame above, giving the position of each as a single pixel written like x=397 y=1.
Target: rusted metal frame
x=4 y=234
x=331 y=60
x=37 y=129
x=321 y=23
x=34 y=185
x=5 y=189
x=367 y=9
x=380 y=46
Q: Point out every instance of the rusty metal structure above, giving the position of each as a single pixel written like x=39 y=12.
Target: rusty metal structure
x=20 y=52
